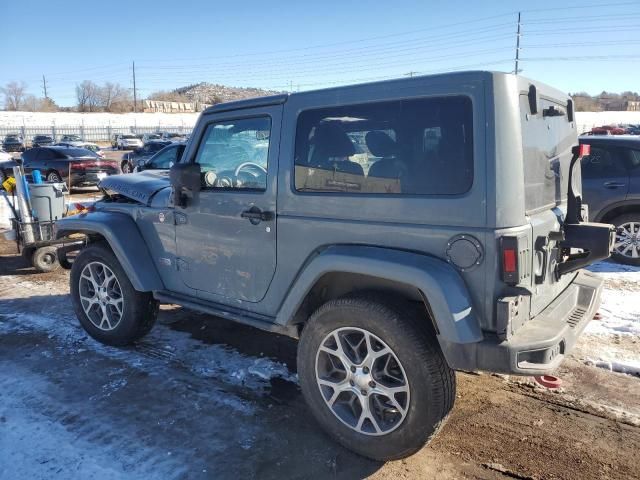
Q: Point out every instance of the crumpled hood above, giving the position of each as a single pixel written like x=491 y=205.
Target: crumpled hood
x=138 y=186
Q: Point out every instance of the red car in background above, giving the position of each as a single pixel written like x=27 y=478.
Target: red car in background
x=608 y=130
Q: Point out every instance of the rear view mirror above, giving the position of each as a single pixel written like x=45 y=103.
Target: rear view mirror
x=185 y=180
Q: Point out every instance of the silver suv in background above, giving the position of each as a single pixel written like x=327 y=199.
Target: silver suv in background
x=128 y=141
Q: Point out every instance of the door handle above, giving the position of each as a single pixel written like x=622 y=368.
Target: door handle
x=614 y=184
x=255 y=215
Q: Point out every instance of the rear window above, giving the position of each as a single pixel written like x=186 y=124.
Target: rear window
x=547 y=139
x=413 y=147
x=76 y=152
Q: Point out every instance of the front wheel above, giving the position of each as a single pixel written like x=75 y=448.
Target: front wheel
x=125 y=167
x=627 y=246
x=105 y=302
x=374 y=376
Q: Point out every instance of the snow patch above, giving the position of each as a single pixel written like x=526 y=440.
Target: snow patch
x=630 y=367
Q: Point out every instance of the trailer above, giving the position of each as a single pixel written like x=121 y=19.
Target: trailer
x=35 y=209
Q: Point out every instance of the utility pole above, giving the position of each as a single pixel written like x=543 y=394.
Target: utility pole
x=44 y=86
x=517 y=46
x=135 y=96
x=410 y=74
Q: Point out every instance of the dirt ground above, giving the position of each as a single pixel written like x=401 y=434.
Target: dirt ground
x=183 y=403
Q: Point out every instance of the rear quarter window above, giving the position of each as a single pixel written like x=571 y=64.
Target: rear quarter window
x=413 y=147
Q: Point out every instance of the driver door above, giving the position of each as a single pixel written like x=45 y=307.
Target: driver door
x=226 y=235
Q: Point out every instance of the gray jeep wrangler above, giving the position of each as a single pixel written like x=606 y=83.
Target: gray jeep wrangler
x=401 y=229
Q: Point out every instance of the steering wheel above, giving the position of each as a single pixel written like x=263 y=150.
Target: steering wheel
x=244 y=165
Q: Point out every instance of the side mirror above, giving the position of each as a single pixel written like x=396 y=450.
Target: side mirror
x=185 y=180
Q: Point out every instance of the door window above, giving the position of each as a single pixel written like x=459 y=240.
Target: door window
x=233 y=154
x=602 y=163
x=166 y=158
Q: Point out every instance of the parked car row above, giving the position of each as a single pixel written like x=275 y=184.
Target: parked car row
x=126 y=141
x=15 y=142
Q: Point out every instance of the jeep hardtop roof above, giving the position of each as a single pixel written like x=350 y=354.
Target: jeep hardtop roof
x=283 y=97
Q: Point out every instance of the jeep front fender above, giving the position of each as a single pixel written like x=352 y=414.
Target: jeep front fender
x=121 y=233
x=440 y=284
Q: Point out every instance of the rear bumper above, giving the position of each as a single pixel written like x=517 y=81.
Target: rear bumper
x=87 y=179
x=541 y=344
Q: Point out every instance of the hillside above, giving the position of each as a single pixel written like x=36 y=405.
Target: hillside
x=211 y=93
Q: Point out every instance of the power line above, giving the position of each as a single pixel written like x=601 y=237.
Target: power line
x=468 y=38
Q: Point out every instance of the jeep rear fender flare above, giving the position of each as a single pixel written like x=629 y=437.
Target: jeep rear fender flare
x=440 y=284
x=120 y=231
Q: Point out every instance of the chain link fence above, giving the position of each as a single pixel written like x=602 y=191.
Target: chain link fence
x=88 y=133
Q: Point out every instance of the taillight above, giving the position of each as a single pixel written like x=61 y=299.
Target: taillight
x=584 y=150
x=581 y=150
x=509 y=263
x=510 y=267
x=99 y=164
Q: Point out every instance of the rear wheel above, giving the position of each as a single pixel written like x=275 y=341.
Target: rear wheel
x=627 y=246
x=105 y=302
x=374 y=377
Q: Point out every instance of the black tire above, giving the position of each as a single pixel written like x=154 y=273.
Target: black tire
x=412 y=339
x=45 y=259
x=126 y=167
x=53 y=176
x=139 y=310
x=628 y=219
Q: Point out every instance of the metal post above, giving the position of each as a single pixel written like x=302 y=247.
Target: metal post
x=135 y=97
x=516 y=71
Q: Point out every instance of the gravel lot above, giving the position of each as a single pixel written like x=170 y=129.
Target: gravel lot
x=201 y=397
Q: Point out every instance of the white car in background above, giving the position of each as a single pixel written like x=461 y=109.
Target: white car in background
x=72 y=140
x=128 y=141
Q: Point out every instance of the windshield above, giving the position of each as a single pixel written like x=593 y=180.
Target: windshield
x=128 y=136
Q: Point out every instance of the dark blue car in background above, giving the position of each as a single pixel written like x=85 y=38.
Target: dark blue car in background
x=611 y=189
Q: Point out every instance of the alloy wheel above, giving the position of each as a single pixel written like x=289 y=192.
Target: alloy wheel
x=628 y=240
x=362 y=381
x=101 y=296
